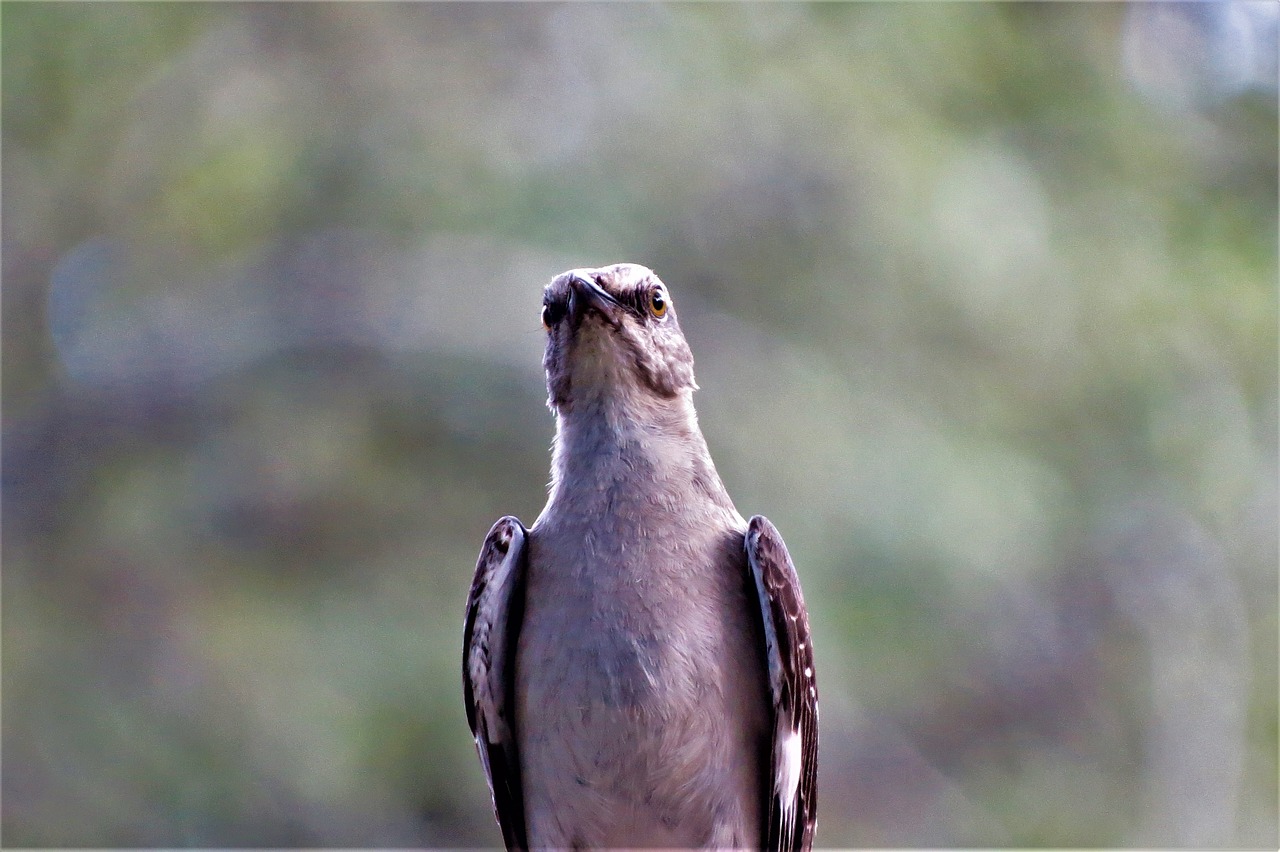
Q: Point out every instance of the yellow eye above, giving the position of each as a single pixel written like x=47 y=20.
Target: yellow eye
x=657 y=304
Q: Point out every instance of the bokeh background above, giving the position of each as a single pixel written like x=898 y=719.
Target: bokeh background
x=984 y=304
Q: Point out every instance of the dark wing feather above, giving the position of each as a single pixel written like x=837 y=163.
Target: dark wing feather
x=793 y=780
x=495 y=607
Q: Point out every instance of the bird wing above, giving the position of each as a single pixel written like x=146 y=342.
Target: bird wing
x=792 y=794
x=495 y=607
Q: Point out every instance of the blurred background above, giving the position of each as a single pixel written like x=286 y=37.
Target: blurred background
x=984 y=303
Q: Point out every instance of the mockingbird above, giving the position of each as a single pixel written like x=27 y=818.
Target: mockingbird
x=637 y=667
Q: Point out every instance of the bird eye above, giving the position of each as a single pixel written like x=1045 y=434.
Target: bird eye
x=552 y=313
x=657 y=303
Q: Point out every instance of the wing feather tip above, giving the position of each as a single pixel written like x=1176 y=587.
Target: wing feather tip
x=793 y=797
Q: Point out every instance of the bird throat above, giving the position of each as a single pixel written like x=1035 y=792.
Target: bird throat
x=630 y=431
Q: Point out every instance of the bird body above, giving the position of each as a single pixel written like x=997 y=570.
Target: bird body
x=635 y=697
x=608 y=550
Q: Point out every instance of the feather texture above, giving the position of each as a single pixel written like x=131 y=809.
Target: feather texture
x=494 y=612
x=792 y=807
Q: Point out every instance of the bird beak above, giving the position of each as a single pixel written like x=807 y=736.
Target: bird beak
x=586 y=293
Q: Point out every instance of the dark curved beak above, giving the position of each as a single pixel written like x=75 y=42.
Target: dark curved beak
x=585 y=293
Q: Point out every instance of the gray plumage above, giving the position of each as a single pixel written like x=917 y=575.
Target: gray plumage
x=637 y=666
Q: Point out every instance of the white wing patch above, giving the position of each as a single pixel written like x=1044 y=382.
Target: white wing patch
x=788 y=757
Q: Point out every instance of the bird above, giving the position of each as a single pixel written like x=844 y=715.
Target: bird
x=637 y=666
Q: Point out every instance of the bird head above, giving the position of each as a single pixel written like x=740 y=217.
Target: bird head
x=612 y=333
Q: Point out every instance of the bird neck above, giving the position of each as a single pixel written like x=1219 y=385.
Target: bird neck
x=610 y=449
